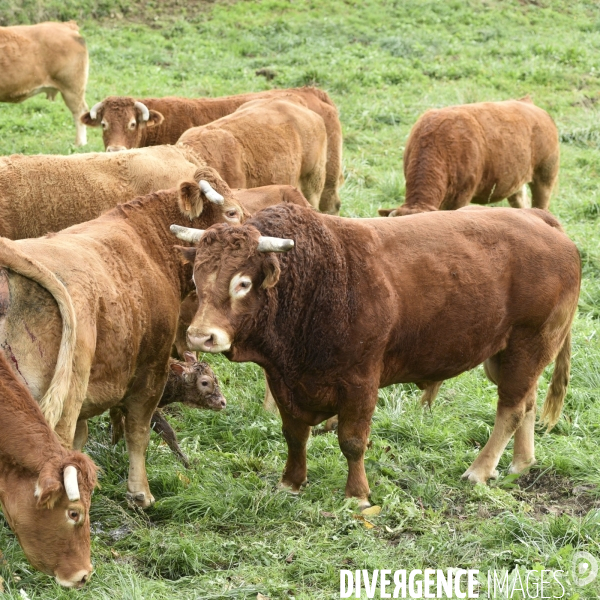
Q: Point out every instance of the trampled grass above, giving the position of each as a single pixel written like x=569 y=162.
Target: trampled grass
x=220 y=530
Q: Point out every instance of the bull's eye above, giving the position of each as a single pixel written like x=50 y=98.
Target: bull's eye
x=132 y=124
x=240 y=285
x=73 y=515
x=104 y=124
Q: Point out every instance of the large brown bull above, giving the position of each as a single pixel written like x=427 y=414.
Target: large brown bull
x=349 y=306
x=45 y=59
x=133 y=123
x=45 y=490
x=107 y=341
x=479 y=153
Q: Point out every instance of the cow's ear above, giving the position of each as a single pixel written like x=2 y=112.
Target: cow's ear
x=271 y=271
x=385 y=212
x=191 y=201
x=48 y=490
x=188 y=255
x=86 y=119
x=177 y=368
x=154 y=119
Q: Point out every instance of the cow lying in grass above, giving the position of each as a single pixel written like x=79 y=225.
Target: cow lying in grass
x=334 y=309
x=107 y=342
x=45 y=489
x=190 y=382
x=46 y=58
x=479 y=153
x=133 y=123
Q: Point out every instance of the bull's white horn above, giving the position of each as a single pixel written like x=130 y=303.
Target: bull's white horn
x=95 y=109
x=71 y=485
x=210 y=193
x=273 y=244
x=187 y=234
x=143 y=109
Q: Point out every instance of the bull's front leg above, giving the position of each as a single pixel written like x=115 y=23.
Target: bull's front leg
x=296 y=435
x=354 y=425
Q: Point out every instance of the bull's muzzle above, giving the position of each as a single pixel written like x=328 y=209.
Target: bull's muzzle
x=115 y=148
x=213 y=340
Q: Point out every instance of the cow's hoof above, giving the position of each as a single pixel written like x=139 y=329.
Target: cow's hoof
x=519 y=467
x=363 y=503
x=140 y=499
x=475 y=476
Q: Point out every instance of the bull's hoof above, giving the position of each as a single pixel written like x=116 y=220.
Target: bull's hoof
x=290 y=488
x=140 y=499
x=475 y=476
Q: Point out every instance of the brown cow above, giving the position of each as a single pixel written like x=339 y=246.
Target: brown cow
x=133 y=123
x=45 y=58
x=268 y=141
x=125 y=285
x=479 y=153
x=190 y=382
x=45 y=490
x=334 y=317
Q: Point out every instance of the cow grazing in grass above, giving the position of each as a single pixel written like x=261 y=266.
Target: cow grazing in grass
x=45 y=489
x=45 y=58
x=44 y=193
x=479 y=153
x=111 y=336
x=190 y=382
x=269 y=141
x=334 y=309
x=133 y=123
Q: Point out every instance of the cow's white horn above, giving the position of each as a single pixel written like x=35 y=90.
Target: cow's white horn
x=71 y=485
x=273 y=244
x=210 y=192
x=187 y=234
x=143 y=109
x=95 y=109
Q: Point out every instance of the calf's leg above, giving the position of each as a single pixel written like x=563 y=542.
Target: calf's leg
x=167 y=433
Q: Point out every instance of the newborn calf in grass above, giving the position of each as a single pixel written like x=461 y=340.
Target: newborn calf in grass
x=192 y=383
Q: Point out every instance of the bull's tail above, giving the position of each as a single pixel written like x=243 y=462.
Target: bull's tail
x=557 y=391
x=14 y=259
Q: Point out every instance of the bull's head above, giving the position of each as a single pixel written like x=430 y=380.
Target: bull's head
x=233 y=269
x=49 y=514
x=123 y=121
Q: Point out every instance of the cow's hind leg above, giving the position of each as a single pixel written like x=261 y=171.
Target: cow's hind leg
x=296 y=435
x=520 y=199
x=544 y=180
x=524 y=448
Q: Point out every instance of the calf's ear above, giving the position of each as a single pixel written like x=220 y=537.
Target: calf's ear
x=271 y=272
x=191 y=201
x=177 y=368
x=385 y=212
x=189 y=357
x=86 y=119
x=187 y=255
x=154 y=119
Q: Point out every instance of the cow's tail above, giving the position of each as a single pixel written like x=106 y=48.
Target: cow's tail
x=557 y=391
x=14 y=259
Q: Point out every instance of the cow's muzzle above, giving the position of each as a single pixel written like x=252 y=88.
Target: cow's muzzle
x=115 y=148
x=77 y=580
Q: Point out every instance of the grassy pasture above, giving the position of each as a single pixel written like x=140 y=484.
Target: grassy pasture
x=220 y=530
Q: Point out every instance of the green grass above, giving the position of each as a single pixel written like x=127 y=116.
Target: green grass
x=220 y=530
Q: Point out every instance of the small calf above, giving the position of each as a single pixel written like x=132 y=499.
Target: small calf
x=192 y=383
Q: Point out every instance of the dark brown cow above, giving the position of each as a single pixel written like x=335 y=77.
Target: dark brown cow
x=479 y=153
x=133 y=123
x=352 y=305
x=46 y=58
x=125 y=284
x=45 y=489
x=190 y=382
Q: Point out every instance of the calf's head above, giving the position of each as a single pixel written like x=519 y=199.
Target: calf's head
x=123 y=121
x=49 y=514
x=199 y=385
x=233 y=269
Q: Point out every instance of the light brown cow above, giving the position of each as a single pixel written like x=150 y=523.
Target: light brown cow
x=133 y=123
x=125 y=283
x=45 y=58
x=270 y=141
x=479 y=153
x=352 y=305
x=45 y=490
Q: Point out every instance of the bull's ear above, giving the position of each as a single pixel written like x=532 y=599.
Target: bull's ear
x=86 y=119
x=154 y=119
x=48 y=490
x=385 y=212
x=188 y=255
x=177 y=368
x=271 y=272
x=191 y=201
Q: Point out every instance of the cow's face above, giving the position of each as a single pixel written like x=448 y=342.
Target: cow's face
x=233 y=268
x=53 y=530
x=123 y=121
